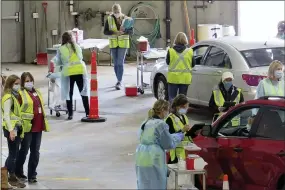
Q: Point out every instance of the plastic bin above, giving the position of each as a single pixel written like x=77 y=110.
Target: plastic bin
x=142 y=46
x=131 y=90
x=42 y=59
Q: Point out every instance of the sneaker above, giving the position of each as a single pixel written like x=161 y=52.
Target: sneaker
x=33 y=180
x=21 y=177
x=14 y=181
x=118 y=86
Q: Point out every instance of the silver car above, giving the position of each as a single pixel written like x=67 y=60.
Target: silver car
x=247 y=59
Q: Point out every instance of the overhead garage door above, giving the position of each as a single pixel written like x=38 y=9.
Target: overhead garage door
x=12 y=39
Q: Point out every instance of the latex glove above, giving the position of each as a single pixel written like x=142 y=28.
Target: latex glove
x=181 y=136
x=221 y=109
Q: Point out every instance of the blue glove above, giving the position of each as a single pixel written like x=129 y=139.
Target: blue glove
x=180 y=135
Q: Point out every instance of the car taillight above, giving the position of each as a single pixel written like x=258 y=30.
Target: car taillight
x=252 y=80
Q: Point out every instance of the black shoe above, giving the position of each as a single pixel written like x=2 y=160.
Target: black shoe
x=21 y=176
x=70 y=118
x=118 y=86
x=33 y=180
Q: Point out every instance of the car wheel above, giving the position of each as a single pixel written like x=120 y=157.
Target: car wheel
x=161 y=91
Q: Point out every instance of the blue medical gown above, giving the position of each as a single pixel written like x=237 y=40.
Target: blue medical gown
x=151 y=167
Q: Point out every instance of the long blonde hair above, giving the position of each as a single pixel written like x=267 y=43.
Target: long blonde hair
x=9 y=83
x=158 y=107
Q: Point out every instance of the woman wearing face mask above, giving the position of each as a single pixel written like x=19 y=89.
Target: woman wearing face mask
x=12 y=126
x=151 y=168
x=119 y=41
x=225 y=95
x=34 y=121
x=178 y=122
x=273 y=85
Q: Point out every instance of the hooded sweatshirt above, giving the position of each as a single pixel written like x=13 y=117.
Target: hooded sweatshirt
x=179 y=48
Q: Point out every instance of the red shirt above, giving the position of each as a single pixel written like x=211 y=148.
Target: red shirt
x=38 y=124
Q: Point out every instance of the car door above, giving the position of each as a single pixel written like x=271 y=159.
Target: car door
x=213 y=65
x=266 y=155
x=198 y=53
x=231 y=141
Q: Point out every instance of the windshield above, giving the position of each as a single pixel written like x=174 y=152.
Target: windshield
x=263 y=57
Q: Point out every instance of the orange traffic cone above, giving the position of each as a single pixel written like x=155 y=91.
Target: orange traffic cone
x=226 y=182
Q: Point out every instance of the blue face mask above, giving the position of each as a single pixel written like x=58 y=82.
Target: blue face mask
x=227 y=84
x=182 y=111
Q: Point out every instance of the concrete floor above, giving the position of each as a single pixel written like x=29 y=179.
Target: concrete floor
x=77 y=155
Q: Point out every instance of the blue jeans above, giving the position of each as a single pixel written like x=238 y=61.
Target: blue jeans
x=174 y=89
x=118 y=55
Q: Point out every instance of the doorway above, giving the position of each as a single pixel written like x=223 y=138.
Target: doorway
x=259 y=19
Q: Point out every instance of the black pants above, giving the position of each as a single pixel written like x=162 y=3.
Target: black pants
x=13 y=147
x=32 y=141
x=79 y=81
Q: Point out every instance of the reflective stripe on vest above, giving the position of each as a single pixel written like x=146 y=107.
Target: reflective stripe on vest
x=27 y=110
x=178 y=125
x=74 y=66
x=180 y=67
x=270 y=90
x=219 y=101
x=123 y=41
x=181 y=59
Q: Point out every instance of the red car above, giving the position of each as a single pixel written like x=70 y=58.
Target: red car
x=252 y=154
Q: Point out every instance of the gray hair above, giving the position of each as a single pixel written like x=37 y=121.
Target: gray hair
x=273 y=67
x=116 y=8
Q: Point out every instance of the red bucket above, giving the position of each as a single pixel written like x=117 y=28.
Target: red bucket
x=42 y=59
x=190 y=161
x=142 y=46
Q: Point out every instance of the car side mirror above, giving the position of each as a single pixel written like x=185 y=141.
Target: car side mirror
x=206 y=131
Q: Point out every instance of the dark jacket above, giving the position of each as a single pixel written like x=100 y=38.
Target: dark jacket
x=107 y=31
x=179 y=49
x=229 y=96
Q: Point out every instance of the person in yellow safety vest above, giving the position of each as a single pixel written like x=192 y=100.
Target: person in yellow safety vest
x=151 y=168
x=119 y=41
x=12 y=126
x=178 y=122
x=224 y=96
x=274 y=84
x=34 y=122
x=180 y=62
x=69 y=57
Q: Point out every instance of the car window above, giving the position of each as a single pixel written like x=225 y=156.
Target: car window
x=239 y=123
x=263 y=57
x=215 y=58
x=272 y=125
x=200 y=50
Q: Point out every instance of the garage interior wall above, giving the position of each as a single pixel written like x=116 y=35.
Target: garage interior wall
x=259 y=19
x=58 y=17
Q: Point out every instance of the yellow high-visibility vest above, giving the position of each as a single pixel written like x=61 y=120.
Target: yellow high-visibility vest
x=179 y=151
x=27 y=110
x=75 y=65
x=122 y=41
x=270 y=90
x=15 y=114
x=219 y=101
x=180 y=67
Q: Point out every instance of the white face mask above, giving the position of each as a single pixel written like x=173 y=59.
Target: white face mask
x=278 y=74
x=29 y=85
x=16 y=87
x=117 y=15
